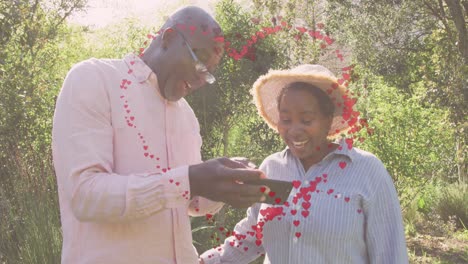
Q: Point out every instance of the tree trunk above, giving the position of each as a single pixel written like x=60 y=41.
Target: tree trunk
x=225 y=140
x=456 y=10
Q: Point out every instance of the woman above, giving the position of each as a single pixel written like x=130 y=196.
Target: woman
x=343 y=207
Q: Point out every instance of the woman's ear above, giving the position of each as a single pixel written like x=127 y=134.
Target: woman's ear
x=168 y=36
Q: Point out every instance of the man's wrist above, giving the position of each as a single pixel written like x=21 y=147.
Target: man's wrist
x=193 y=181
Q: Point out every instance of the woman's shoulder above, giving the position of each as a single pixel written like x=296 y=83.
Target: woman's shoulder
x=370 y=165
x=277 y=158
x=365 y=157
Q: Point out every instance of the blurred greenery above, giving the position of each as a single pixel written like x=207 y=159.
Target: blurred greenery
x=410 y=69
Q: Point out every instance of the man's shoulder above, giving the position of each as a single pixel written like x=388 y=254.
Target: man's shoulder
x=94 y=65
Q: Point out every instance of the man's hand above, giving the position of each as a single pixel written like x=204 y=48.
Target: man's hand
x=223 y=180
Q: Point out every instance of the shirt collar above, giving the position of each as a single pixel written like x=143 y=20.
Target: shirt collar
x=142 y=73
x=343 y=149
x=138 y=68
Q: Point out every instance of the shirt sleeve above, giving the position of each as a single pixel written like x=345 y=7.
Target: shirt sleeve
x=385 y=235
x=231 y=252
x=83 y=158
x=200 y=206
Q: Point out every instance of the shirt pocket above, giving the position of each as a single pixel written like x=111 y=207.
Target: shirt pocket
x=336 y=216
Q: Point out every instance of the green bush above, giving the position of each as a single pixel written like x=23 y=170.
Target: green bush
x=453 y=202
x=414 y=141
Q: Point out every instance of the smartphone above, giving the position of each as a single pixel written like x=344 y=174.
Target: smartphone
x=279 y=190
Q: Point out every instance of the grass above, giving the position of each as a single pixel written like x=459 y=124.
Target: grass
x=30 y=226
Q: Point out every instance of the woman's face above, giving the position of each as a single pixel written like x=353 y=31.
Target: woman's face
x=302 y=125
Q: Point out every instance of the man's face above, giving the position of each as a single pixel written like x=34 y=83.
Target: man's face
x=182 y=76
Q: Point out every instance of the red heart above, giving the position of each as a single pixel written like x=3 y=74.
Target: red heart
x=293 y=212
x=272 y=194
x=171 y=181
x=359 y=211
x=151 y=156
x=177 y=183
x=258 y=242
x=304 y=191
x=164 y=170
x=132 y=62
x=342 y=164
x=306 y=205
x=128 y=111
x=125 y=106
x=305 y=213
x=325 y=175
x=346 y=199
x=146 y=154
x=231 y=243
x=278 y=200
x=262 y=189
x=246 y=248
x=145 y=147
x=307 y=197
x=330 y=191
x=295 y=200
x=296 y=184
x=298 y=234
x=296 y=222
x=130 y=71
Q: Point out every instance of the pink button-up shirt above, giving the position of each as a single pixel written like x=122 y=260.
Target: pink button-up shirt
x=121 y=154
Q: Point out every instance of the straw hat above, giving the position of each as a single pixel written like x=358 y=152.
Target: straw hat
x=268 y=87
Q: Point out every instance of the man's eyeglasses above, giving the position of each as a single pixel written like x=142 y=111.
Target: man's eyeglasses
x=201 y=68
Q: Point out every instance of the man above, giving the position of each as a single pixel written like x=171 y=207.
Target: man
x=126 y=149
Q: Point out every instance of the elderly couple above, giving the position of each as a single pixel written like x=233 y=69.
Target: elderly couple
x=126 y=149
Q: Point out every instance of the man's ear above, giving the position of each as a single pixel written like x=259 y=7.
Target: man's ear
x=168 y=36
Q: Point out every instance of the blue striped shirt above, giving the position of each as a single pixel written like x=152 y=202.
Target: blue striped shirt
x=352 y=215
